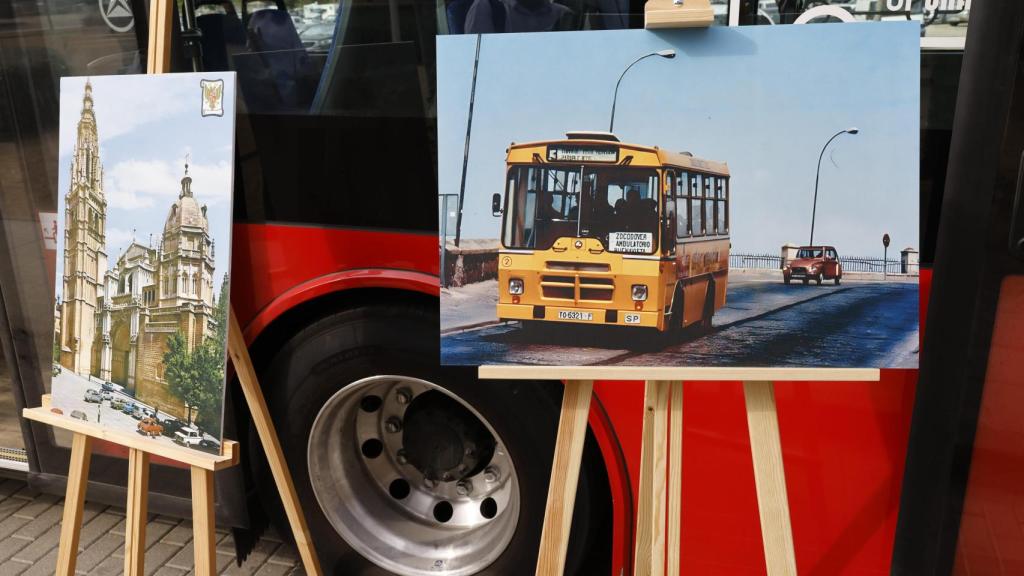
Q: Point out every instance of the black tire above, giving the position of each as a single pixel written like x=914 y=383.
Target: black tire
x=817 y=279
x=786 y=280
x=807 y=281
x=836 y=280
x=402 y=339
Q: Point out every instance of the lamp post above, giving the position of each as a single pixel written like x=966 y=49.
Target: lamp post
x=662 y=53
x=817 y=176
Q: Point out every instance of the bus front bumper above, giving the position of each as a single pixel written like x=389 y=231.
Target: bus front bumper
x=578 y=315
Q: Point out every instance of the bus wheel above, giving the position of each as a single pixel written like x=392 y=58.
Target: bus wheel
x=818 y=279
x=404 y=467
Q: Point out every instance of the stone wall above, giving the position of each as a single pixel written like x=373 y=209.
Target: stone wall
x=474 y=260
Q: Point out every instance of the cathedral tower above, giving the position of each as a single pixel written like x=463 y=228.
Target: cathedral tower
x=85 y=257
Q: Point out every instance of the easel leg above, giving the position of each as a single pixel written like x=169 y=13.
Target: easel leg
x=565 y=475
x=770 y=478
x=675 y=477
x=74 y=500
x=650 y=517
x=135 y=521
x=203 y=522
x=271 y=445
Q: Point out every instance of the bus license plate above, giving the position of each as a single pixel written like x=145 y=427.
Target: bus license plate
x=574 y=315
x=632 y=318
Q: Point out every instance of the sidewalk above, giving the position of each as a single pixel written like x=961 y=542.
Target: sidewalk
x=30 y=532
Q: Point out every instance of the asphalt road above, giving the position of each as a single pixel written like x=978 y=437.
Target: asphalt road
x=765 y=323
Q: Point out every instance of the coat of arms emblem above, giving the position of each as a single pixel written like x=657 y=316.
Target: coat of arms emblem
x=213 y=97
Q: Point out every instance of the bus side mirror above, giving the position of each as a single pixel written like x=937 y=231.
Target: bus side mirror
x=496 y=205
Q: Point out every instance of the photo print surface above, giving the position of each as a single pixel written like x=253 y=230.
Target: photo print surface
x=144 y=244
x=718 y=197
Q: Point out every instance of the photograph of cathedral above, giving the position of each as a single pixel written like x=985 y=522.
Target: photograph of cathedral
x=141 y=305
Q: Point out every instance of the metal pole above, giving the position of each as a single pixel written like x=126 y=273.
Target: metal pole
x=615 y=95
x=465 y=151
x=444 y=238
x=885 y=263
x=817 y=176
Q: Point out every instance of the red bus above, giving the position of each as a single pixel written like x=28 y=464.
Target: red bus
x=404 y=467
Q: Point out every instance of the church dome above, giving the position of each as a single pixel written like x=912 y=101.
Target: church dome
x=186 y=212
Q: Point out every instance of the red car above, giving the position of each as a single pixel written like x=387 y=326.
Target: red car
x=814 y=263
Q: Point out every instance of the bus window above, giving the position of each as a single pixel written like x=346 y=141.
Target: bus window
x=683 y=205
x=696 y=212
x=709 y=205
x=722 y=204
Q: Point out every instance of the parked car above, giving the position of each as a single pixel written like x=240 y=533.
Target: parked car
x=107 y=386
x=56 y=369
x=150 y=427
x=172 y=426
x=117 y=403
x=79 y=415
x=814 y=263
x=57 y=411
x=318 y=37
x=188 y=436
x=128 y=408
x=107 y=395
x=137 y=413
x=208 y=443
x=93 y=395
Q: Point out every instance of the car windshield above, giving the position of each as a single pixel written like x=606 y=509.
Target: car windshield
x=619 y=207
x=809 y=253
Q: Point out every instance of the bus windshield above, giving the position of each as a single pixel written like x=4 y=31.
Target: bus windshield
x=619 y=207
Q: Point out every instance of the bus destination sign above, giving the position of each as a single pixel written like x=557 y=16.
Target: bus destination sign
x=582 y=153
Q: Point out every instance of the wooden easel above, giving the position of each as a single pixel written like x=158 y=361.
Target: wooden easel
x=202 y=464
x=662 y=447
x=678 y=14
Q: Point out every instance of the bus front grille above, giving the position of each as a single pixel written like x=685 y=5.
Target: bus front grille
x=560 y=287
x=578 y=266
x=597 y=289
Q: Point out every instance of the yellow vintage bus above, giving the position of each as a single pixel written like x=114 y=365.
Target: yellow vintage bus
x=600 y=232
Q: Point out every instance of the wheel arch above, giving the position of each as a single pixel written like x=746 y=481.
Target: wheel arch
x=304 y=304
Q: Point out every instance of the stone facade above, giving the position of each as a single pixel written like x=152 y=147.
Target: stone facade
x=130 y=310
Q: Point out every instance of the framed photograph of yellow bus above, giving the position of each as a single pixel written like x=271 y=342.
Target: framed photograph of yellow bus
x=671 y=199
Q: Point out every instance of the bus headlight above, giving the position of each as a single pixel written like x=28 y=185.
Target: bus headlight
x=515 y=286
x=639 y=292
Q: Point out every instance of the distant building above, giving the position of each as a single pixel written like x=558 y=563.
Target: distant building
x=149 y=294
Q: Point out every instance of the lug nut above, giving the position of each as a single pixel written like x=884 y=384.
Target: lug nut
x=464 y=487
x=403 y=396
x=393 y=425
x=400 y=456
x=491 y=474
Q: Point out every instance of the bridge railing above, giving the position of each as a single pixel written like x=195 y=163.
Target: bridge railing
x=850 y=263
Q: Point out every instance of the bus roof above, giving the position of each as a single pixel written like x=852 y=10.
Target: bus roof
x=665 y=157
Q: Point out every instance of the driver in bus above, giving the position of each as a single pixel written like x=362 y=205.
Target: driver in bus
x=546 y=207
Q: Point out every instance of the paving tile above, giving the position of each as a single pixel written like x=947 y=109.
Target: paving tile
x=157 y=532
x=109 y=567
x=286 y=554
x=168 y=571
x=158 y=554
x=100 y=550
x=269 y=569
x=98 y=526
x=184 y=559
x=9 y=487
x=39 y=546
x=10 y=546
x=180 y=534
x=13 y=567
x=10 y=524
x=45 y=566
x=37 y=506
x=49 y=519
x=224 y=561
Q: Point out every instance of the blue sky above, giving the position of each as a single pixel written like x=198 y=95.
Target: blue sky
x=146 y=125
x=764 y=99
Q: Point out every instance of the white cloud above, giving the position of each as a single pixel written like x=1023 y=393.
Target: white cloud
x=134 y=184
x=117 y=240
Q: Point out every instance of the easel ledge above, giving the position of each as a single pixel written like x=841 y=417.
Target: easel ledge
x=213 y=462
x=680 y=373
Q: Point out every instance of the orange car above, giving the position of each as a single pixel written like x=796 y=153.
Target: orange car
x=150 y=427
x=814 y=263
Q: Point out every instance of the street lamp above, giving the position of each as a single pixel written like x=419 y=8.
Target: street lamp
x=662 y=53
x=817 y=175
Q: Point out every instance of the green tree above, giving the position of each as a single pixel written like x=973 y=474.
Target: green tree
x=180 y=373
x=208 y=363
x=220 y=314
